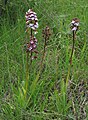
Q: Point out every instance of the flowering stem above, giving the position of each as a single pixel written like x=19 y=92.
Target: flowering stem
x=31 y=22
x=45 y=47
x=46 y=34
x=27 y=68
x=31 y=52
x=74 y=28
x=27 y=72
x=72 y=48
x=69 y=69
x=44 y=50
x=31 y=32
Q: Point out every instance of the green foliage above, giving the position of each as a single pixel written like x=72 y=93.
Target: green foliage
x=58 y=92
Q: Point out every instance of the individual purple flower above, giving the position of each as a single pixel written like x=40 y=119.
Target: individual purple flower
x=31 y=42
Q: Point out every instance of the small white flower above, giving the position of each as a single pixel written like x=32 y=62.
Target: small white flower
x=31 y=42
x=33 y=28
x=34 y=46
x=74 y=28
x=36 y=26
x=36 y=32
x=35 y=40
x=29 y=10
x=27 y=22
x=76 y=24
x=73 y=22
x=31 y=25
x=26 y=13
x=32 y=15
x=26 y=16
x=32 y=18
x=36 y=18
x=30 y=48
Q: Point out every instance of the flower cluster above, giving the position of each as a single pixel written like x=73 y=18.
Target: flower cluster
x=31 y=20
x=31 y=46
x=75 y=24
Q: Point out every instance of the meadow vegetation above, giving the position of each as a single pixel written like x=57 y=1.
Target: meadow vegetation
x=58 y=90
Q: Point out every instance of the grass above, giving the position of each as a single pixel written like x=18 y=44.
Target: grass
x=50 y=97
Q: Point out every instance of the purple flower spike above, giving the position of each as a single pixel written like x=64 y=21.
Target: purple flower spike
x=32 y=23
x=31 y=46
x=31 y=20
x=75 y=24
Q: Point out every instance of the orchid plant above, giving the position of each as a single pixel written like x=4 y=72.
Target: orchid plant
x=74 y=29
x=31 y=45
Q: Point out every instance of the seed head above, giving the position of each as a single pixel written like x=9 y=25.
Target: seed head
x=46 y=32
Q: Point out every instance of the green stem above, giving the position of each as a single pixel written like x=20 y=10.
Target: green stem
x=27 y=68
x=72 y=48
x=69 y=68
x=31 y=52
x=27 y=73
